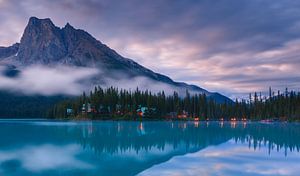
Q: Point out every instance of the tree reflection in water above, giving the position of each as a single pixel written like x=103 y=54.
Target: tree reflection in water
x=128 y=148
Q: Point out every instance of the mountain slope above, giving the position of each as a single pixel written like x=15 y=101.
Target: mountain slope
x=9 y=51
x=45 y=44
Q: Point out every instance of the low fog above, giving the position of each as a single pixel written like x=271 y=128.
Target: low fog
x=47 y=81
x=144 y=84
x=72 y=81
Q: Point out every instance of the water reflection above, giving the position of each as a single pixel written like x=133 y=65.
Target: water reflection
x=228 y=159
x=43 y=157
x=130 y=148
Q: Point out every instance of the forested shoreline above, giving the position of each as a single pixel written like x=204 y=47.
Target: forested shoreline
x=114 y=103
x=14 y=105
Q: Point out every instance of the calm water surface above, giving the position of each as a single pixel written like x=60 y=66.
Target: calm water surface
x=55 y=148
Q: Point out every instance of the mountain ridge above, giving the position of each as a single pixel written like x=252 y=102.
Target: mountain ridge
x=43 y=43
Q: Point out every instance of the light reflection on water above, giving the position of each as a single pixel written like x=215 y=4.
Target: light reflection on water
x=230 y=158
x=148 y=148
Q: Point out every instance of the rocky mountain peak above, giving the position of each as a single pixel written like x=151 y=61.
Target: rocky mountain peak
x=34 y=21
x=41 y=42
x=68 y=26
x=39 y=27
x=45 y=44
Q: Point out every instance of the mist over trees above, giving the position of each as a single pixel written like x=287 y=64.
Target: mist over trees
x=115 y=103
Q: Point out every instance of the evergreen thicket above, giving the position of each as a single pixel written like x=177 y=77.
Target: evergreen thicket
x=115 y=103
x=13 y=105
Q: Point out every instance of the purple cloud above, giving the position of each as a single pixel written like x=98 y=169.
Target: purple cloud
x=230 y=46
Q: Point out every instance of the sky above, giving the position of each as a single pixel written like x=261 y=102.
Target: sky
x=229 y=46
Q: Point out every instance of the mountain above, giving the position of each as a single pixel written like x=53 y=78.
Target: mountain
x=45 y=44
x=9 y=51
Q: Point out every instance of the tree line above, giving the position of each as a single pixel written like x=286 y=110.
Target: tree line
x=14 y=105
x=119 y=103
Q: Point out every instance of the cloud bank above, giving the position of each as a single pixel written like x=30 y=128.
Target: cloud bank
x=49 y=80
x=66 y=80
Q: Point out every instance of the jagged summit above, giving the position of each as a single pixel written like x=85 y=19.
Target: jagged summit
x=37 y=21
x=69 y=26
x=41 y=43
x=45 y=44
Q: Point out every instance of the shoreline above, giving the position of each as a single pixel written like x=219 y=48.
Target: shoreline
x=145 y=119
x=173 y=120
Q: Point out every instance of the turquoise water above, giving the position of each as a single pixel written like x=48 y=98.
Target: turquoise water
x=55 y=148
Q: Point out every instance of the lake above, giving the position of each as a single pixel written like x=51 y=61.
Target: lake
x=115 y=148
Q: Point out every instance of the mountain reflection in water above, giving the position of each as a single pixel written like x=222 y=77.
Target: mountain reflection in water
x=130 y=148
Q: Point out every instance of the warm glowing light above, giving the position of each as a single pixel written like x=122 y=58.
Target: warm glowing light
x=141 y=127
x=221 y=124
x=233 y=124
x=244 y=124
x=140 y=114
x=184 y=125
x=182 y=116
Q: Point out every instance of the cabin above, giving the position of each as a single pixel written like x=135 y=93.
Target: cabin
x=183 y=115
x=69 y=111
x=119 y=110
x=104 y=110
x=142 y=111
x=89 y=108
x=171 y=115
x=83 y=108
